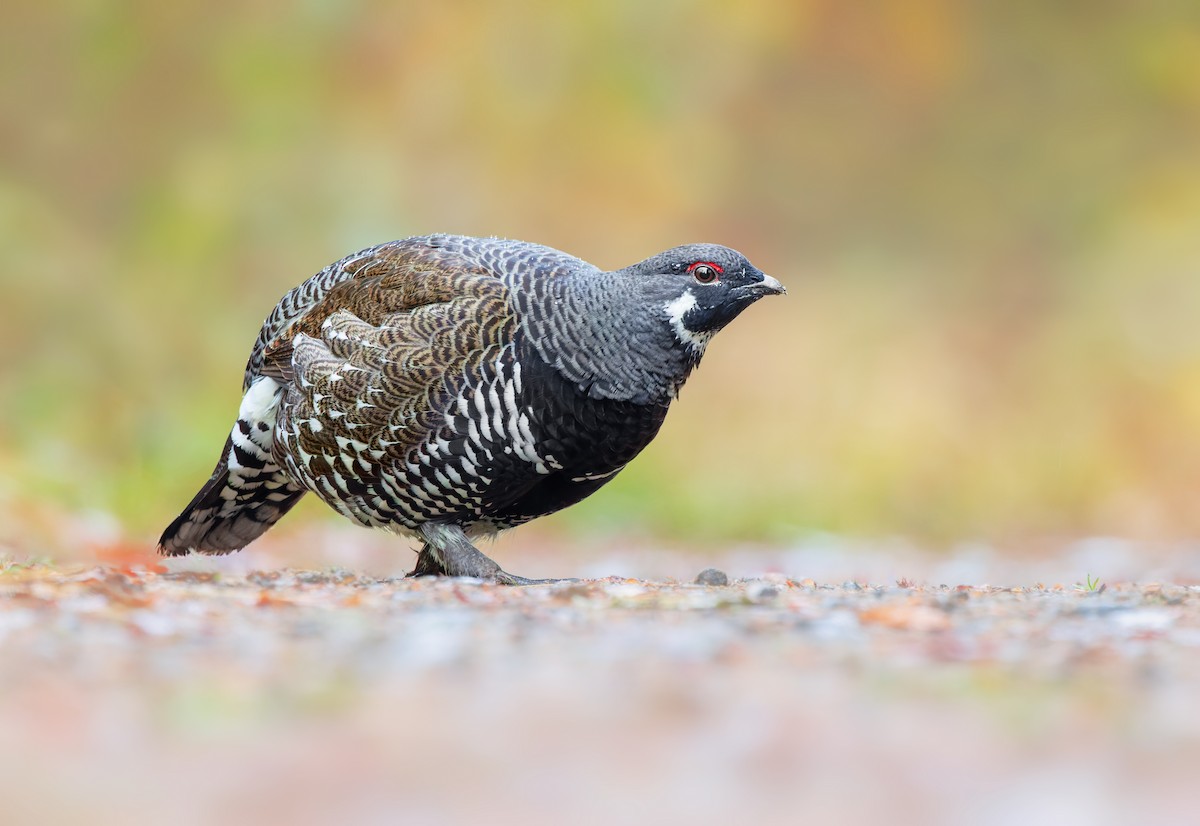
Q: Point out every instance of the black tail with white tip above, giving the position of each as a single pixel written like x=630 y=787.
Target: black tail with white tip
x=247 y=492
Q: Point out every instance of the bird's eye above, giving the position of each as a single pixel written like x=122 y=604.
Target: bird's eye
x=705 y=272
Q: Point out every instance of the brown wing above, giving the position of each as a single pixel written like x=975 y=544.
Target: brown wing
x=377 y=363
x=392 y=278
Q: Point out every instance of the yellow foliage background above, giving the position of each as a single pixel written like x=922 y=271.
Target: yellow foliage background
x=986 y=215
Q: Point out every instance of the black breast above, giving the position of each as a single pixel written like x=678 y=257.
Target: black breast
x=585 y=440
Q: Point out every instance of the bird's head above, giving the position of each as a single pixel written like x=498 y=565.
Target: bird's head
x=703 y=287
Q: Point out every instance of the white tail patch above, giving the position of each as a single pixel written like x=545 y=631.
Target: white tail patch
x=258 y=411
x=261 y=402
x=248 y=461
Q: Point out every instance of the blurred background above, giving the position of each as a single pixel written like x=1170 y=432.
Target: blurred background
x=985 y=215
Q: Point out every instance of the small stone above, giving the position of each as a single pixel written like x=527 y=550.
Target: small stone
x=851 y=585
x=762 y=592
x=711 y=576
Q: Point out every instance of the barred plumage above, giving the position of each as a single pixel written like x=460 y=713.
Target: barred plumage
x=447 y=387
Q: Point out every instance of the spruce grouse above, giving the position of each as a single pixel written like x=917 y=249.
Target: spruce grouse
x=448 y=387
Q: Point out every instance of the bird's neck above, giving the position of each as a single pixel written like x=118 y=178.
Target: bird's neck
x=612 y=342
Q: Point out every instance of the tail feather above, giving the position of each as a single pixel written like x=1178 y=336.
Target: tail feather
x=222 y=518
x=247 y=492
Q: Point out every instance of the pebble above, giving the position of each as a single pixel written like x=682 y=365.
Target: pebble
x=711 y=576
x=761 y=592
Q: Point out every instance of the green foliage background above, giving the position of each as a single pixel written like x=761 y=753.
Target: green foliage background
x=985 y=213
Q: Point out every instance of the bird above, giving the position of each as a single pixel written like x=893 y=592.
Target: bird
x=448 y=387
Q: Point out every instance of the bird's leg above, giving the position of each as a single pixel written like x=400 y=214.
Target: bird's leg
x=427 y=563
x=448 y=552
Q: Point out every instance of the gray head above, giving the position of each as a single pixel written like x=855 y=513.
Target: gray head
x=702 y=287
x=635 y=334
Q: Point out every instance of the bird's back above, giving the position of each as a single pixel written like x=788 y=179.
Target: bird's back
x=515 y=263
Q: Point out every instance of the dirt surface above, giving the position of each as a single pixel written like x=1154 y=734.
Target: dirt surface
x=130 y=695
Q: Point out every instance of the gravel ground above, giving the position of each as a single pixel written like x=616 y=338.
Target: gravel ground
x=228 y=695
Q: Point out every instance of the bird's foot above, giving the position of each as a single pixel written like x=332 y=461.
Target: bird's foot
x=448 y=552
x=428 y=566
x=505 y=578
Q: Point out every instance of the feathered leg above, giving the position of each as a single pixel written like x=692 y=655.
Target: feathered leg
x=427 y=564
x=448 y=552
